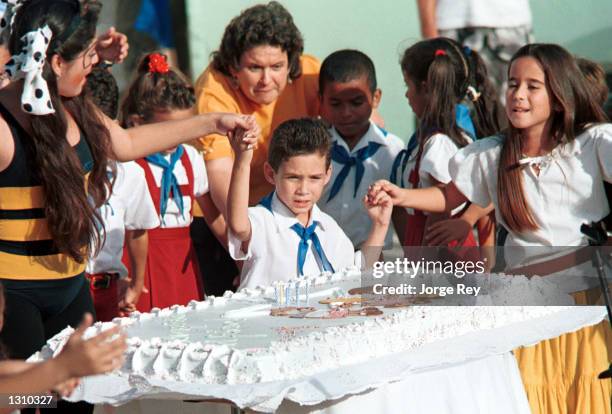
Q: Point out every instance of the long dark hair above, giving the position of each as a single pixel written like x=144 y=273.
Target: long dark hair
x=70 y=206
x=448 y=70
x=576 y=109
x=263 y=24
x=152 y=91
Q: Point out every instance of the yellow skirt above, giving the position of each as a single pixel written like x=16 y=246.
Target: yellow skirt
x=560 y=374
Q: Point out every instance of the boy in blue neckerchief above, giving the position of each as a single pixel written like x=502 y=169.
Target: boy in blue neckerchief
x=287 y=235
x=362 y=152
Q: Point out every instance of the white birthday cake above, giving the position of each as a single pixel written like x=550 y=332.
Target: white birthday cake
x=296 y=329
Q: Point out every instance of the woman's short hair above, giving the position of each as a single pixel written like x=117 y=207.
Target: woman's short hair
x=260 y=25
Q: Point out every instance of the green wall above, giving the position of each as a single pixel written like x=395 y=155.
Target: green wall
x=384 y=28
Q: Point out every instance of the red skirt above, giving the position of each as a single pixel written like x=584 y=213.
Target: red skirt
x=415 y=231
x=171 y=270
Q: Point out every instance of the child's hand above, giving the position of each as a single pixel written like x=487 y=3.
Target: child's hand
x=112 y=46
x=242 y=140
x=393 y=191
x=129 y=294
x=227 y=123
x=445 y=231
x=96 y=355
x=379 y=208
x=65 y=388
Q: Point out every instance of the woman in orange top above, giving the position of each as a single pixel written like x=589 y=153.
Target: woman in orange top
x=258 y=69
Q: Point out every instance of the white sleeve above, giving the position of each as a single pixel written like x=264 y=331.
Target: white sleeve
x=438 y=151
x=200 y=178
x=140 y=213
x=257 y=241
x=603 y=149
x=359 y=260
x=468 y=172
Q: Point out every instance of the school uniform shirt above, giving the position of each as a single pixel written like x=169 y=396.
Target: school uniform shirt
x=173 y=217
x=346 y=208
x=129 y=207
x=437 y=152
x=567 y=193
x=273 y=249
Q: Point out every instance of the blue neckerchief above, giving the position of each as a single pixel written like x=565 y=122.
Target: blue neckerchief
x=169 y=183
x=305 y=233
x=267 y=201
x=464 y=121
x=381 y=129
x=402 y=159
x=308 y=233
x=342 y=156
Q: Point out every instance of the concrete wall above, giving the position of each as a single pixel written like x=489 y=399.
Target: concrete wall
x=382 y=29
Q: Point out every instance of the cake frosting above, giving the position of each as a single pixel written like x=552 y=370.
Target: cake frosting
x=233 y=339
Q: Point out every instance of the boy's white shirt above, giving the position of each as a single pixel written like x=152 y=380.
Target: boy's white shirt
x=437 y=153
x=568 y=192
x=129 y=207
x=273 y=248
x=173 y=217
x=348 y=211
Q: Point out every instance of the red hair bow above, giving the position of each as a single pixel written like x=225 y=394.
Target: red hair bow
x=158 y=64
x=440 y=52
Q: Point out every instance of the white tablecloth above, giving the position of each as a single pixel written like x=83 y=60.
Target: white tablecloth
x=484 y=386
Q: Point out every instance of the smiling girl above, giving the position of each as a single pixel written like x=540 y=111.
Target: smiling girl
x=544 y=177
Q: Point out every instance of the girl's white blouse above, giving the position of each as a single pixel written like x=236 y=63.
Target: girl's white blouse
x=568 y=191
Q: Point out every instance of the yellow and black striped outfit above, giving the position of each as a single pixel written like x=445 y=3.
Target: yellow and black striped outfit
x=45 y=290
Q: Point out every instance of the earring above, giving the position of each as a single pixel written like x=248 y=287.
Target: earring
x=234 y=82
x=289 y=80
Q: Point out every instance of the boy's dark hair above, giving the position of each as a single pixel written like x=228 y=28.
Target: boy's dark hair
x=261 y=25
x=595 y=76
x=347 y=65
x=299 y=137
x=102 y=88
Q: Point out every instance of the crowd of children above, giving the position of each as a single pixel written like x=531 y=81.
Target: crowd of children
x=535 y=174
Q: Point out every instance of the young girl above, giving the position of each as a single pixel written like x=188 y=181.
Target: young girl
x=544 y=177
x=54 y=147
x=175 y=178
x=439 y=75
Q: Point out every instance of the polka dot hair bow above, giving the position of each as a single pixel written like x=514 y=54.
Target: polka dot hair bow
x=29 y=65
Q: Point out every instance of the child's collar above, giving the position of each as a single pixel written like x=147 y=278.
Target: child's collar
x=373 y=134
x=284 y=217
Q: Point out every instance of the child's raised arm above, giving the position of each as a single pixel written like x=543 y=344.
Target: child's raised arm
x=130 y=144
x=242 y=143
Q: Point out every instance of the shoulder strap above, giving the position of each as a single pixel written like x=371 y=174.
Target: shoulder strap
x=189 y=171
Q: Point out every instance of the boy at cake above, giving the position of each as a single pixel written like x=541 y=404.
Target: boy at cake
x=361 y=151
x=287 y=235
